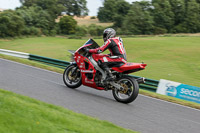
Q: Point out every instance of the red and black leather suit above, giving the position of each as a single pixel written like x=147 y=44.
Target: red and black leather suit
x=117 y=56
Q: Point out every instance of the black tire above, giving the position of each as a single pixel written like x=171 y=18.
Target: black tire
x=131 y=91
x=76 y=80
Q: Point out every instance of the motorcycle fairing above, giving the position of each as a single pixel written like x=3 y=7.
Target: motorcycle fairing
x=130 y=67
x=87 y=71
x=126 y=68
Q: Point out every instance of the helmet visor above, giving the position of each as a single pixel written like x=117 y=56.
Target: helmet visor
x=105 y=36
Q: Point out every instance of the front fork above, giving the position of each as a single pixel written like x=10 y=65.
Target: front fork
x=74 y=72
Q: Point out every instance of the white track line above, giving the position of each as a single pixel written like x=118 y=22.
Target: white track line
x=168 y=102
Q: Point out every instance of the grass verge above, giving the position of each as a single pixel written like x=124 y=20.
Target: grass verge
x=144 y=92
x=20 y=114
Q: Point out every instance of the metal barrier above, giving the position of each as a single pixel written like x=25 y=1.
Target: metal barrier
x=150 y=84
x=14 y=53
x=49 y=61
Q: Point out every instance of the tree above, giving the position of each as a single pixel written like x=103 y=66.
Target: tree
x=122 y=10
x=113 y=10
x=104 y=15
x=178 y=8
x=198 y=1
x=163 y=15
x=55 y=7
x=11 y=24
x=35 y=16
x=75 y=7
x=52 y=6
x=192 y=16
x=67 y=25
x=138 y=20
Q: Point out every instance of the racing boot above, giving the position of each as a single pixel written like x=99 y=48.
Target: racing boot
x=104 y=66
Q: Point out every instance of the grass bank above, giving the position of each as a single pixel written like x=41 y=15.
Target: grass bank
x=144 y=92
x=88 y=21
x=20 y=114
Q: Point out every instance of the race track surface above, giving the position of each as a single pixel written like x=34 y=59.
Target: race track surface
x=145 y=114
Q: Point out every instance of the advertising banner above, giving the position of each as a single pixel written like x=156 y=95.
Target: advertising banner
x=178 y=90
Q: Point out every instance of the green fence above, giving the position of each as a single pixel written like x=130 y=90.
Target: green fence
x=150 y=84
x=49 y=61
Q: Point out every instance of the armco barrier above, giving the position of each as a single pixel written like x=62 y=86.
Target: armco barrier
x=14 y=53
x=49 y=61
x=150 y=84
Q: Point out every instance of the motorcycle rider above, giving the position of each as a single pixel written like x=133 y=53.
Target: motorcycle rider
x=117 y=56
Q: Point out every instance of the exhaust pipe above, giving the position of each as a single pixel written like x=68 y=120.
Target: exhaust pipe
x=141 y=80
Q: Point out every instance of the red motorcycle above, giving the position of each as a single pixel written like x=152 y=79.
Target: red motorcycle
x=84 y=69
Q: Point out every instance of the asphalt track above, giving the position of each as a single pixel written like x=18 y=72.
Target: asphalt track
x=145 y=114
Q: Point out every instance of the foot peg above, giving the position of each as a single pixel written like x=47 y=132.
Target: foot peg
x=141 y=80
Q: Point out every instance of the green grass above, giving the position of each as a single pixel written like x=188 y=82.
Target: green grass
x=172 y=58
x=20 y=114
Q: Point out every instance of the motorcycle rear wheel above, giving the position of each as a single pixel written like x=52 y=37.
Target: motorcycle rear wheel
x=130 y=91
x=72 y=81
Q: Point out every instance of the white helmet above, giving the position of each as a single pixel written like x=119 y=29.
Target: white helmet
x=108 y=33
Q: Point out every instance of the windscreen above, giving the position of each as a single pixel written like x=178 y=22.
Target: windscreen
x=93 y=44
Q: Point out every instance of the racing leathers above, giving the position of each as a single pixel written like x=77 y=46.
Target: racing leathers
x=116 y=58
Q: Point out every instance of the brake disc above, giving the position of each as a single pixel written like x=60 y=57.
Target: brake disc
x=125 y=88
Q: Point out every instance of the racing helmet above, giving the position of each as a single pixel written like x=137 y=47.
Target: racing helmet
x=108 y=33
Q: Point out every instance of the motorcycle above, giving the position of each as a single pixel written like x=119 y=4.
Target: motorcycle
x=84 y=70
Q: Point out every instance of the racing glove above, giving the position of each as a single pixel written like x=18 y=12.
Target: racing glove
x=86 y=49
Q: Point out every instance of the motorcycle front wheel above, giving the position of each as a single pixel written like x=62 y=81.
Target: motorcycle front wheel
x=72 y=76
x=129 y=92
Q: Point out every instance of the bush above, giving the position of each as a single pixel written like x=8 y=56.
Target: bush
x=120 y=31
x=11 y=24
x=181 y=28
x=93 y=17
x=53 y=32
x=32 y=31
x=81 y=30
x=95 y=30
x=159 y=30
x=67 y=25
x=36 y=17
x=74 y=37
x=57 y=28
